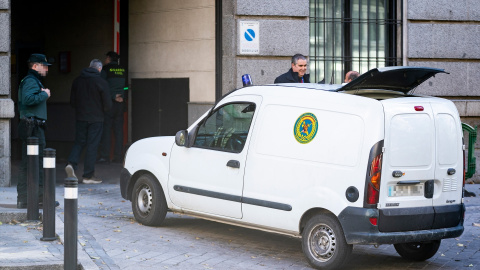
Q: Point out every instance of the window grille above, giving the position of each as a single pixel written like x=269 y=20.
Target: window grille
x=353 y=35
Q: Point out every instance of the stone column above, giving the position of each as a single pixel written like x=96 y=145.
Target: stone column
x=6 y=103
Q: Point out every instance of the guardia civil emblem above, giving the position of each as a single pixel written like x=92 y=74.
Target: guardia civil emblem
x=305 y=128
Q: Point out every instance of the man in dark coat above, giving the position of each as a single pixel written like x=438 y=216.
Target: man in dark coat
x=91 y=99
x=296 y=74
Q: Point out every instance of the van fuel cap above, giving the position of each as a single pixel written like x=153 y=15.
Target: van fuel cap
x=352 y=194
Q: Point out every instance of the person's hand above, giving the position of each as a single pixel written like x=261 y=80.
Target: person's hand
x=46 y=90
x=118 y=98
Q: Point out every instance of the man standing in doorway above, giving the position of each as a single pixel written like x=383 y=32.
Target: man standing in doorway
x=32 y=105
x=296 y=74
x=116 y=77
x=91 y=99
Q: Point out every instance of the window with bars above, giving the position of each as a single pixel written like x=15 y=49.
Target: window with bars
x=353 y=35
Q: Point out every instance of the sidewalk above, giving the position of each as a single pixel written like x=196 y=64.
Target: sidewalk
x=110 y=238
x=20 y=244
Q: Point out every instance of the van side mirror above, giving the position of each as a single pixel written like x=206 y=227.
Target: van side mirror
x=185 y=138
x=181 y=138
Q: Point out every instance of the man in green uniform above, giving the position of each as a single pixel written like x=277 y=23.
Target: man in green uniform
x=32 y=105
x=116 y=77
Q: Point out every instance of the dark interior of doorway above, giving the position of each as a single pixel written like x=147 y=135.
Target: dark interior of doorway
x=159 y=107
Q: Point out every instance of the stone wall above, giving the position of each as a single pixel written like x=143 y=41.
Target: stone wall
x=175 y=39
x=445 y=34
x=6 y=103
x=283 y=32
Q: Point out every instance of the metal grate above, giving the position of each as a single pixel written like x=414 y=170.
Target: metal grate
x=353 y=35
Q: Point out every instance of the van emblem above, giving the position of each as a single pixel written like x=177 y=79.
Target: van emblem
x=305 y=128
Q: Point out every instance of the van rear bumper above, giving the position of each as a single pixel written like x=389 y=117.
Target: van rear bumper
x=358 y=229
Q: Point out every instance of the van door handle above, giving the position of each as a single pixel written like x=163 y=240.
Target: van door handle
x=413 y=182
x=233 y=164
x=451 y=171
x=429 y=189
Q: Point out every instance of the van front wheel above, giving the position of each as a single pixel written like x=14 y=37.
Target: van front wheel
x=324 y=244
x=417 y=251
x=148 y=201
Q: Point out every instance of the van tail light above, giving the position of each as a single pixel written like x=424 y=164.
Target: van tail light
x=373 y=177
x=374 y=181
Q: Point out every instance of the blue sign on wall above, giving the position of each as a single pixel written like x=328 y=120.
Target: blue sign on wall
x=249 y=35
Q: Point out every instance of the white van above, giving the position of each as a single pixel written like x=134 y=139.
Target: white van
x=362 y=163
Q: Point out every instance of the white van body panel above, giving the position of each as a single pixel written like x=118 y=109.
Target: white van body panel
x=309 y=176
x=409 y=148
x=207 y=171
x=146 y=156
x=448 y=188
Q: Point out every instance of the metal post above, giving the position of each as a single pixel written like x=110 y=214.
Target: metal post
x=71 y=224
x=49 y=195
x=33 y=170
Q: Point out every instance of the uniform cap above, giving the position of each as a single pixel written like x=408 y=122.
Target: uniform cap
x=113 y=55
x=39 y=58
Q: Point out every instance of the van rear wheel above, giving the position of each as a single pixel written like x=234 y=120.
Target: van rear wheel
x=324 y=244
x=148 y=201
x=417 y=251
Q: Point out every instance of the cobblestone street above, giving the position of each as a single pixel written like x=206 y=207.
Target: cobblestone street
x=110 y=238
x=190 y=243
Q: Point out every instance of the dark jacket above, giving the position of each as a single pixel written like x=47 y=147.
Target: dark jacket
x=90 y=96
x=32 y=101
x=116 y=77
x=292 y=77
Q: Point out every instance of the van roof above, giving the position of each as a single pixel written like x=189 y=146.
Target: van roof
x=378 y=94
x=377 y=83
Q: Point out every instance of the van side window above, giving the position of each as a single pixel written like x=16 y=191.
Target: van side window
x=227 y=128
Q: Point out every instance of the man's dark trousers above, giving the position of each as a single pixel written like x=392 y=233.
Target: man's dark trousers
x=113 y=118
x=87 y=135
x=24 y=132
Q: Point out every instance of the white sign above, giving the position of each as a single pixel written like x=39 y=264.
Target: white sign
x=249 y=37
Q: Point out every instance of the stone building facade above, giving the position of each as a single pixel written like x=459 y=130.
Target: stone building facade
x=180 y=39
x=445 y=34
x=6 y=103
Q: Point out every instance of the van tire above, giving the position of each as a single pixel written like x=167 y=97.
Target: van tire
x=148 y=201
x=418 y=251
x=324 y=244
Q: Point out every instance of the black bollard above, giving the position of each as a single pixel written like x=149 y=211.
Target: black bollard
x=49 y=195
x=33 y=171
x=71 y=224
